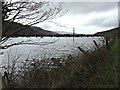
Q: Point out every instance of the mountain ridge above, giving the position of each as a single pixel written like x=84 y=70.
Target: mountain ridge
x=14 y=29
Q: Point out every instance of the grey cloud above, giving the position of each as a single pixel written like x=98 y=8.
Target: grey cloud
x=96 y=21
x=88 y=7
x=103 y=21
x=111 y=22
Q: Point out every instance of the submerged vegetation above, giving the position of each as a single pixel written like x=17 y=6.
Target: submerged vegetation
x=95 y=69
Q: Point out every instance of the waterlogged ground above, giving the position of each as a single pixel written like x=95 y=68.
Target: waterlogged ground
x=46 y=47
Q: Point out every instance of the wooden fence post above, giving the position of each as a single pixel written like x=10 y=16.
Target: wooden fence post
x=107 y=42
x=96 y=44
x=84 y=52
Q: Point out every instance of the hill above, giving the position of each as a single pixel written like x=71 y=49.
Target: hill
x=17 y=29
x=110 y=33
x=63 y=32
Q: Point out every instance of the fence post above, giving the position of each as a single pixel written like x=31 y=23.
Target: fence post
x=96 y=44
x=107 y=43
x=84 y=52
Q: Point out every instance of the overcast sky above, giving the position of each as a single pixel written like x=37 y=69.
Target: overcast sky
x=85 y=17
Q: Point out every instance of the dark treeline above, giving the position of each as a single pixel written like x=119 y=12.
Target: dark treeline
x=60 y=35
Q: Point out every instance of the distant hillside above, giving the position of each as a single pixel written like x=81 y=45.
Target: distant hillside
x=110 y=33
x=63 y=32
x=24 y=30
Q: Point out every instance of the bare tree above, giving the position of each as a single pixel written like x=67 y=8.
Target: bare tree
x=28 y=13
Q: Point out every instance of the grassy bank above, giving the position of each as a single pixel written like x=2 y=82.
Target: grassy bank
x=96 y=69
x=99 y=69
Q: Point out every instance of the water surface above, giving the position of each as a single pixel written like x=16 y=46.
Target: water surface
x=46 y=47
